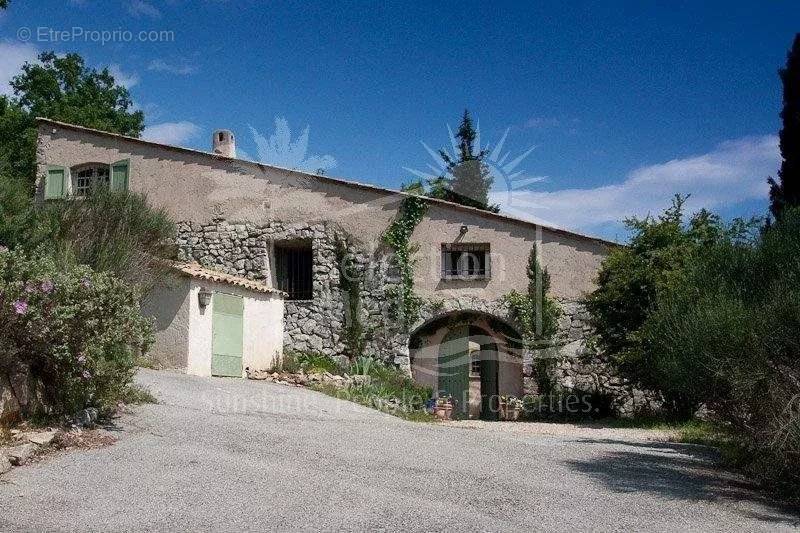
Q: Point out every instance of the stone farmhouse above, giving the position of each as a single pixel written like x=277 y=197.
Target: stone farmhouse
x=275 y=259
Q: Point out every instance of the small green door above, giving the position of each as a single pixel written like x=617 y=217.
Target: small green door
x=453 y=370
x=490 y=398
x=227 y=330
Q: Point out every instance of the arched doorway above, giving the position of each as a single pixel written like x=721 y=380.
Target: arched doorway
x=467 y=371
x=470 y=355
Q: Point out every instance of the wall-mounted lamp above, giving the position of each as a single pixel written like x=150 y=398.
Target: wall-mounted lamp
x=204 y=297
x=464 y=229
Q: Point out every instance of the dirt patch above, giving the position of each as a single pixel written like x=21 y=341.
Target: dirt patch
x=86 y=439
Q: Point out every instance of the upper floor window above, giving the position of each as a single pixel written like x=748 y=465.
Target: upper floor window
x=88 y=178
x=465 y=261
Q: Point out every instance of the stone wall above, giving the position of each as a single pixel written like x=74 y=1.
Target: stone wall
x=576 y=365
x=315 y=325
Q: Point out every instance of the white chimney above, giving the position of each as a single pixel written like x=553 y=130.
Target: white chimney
x=224 y=144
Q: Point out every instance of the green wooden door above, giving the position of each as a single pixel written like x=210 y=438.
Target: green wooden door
x=227 y=330
x=453 y=368
x=490 y=398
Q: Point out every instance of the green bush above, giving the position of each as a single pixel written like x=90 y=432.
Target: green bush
x=77 y=330
x=311 y=362
x=728 y=335
x=19 y=222
x=117 y=232
x=656 y=261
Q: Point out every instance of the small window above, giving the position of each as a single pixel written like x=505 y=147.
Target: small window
x=465 y=261
x=294 y=266
x=88 y=178
x=475 y=366
x=221 y=136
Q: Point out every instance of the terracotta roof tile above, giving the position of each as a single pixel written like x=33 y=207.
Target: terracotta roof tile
x=197 y=271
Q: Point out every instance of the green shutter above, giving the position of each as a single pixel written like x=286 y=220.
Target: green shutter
x=55 y=183
x=119 y=175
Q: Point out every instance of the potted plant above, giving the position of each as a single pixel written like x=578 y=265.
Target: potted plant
x=443 y=409
x=510 y=408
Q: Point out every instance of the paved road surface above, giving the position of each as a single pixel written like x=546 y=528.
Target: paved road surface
x=224 y=454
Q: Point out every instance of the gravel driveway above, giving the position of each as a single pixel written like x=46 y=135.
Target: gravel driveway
x=225 y=454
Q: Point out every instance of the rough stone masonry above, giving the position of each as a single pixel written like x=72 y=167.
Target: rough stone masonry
x=317 y=325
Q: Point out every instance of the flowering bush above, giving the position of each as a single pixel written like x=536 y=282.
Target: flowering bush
x=77 y=330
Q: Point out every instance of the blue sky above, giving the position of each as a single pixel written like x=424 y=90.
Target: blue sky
x=625 y=103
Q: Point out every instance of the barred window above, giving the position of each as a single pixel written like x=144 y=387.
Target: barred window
x=294 y=267
x=468 y=261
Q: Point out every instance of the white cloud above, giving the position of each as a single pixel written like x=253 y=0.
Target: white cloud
x=159 y=65
x=171 y=132
x=541 y=123
x=12 y=57
x=123 y=78
x=139 y=8
x=735 y=171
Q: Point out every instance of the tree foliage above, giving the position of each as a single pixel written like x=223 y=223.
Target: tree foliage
x=631 y=277
x=727 y=335
x=467 y=179
x=785 y=192
x=60 y=88
x=535 y=311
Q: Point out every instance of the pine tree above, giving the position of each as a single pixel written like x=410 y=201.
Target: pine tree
x=785 y=192
x=467 y=179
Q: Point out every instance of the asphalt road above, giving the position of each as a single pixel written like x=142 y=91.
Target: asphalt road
x=225 y=454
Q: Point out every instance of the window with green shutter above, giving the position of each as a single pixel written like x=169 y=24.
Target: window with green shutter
x=55 y=183
x=119 y=175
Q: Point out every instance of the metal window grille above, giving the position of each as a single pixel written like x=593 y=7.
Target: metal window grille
x=294 y=270
x=466 y=261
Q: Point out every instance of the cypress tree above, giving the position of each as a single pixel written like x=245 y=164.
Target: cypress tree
x=785 y=192
x=467 y=179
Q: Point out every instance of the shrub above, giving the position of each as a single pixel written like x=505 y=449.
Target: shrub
x=310 y=362
x=728 y=335
x=316 y=362
x=117 y=232
x=656 y=261
x=77 y=330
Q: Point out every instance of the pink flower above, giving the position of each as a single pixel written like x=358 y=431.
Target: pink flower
x=86 y=282
x=81 y=358
x=47 y=286
x=86 y=374
x=21 y=307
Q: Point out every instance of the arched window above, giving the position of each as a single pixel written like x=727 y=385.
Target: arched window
x=89 y=177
